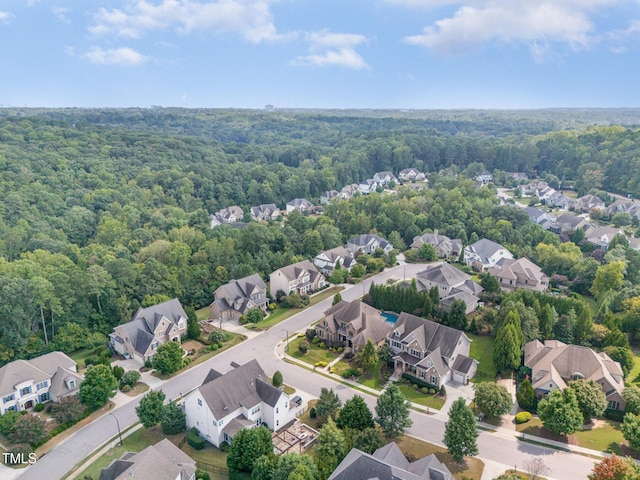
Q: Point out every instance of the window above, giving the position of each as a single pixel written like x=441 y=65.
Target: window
x=421 y=373
x=415 y=353
x=44 y=397
x=199 y=402
x=613 y=405
x=42 y=385
x=12 y=408
x=25 y=391
x=277 y=423
x=255 y=410
x=154 y=345
x=434 y=380
x=72 y=384
x=9 y=398
x=220 y=423
x=277 y=410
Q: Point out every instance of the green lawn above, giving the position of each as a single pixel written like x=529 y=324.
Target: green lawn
x=372 y=380
x=604 y=439
x=79 y=356
x=203 y=313
x=315 y=353
x=482 y=351
x=634 y=374
x=420 y=398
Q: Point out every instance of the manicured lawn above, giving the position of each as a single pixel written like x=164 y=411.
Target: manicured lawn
x=420 y=398
x=634 y=374
x=482 y=350
x=203 y=313
x=471 y=468
x=532 y=427
x=137 y=389
x=315 y=353
x=606 y=438
x=372 y=380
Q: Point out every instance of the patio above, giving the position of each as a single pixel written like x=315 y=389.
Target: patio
x=296 y=437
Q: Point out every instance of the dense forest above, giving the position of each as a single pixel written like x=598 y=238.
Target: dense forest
x=107 y=210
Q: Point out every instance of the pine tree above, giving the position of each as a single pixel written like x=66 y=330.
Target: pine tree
x=506 y=350
x=526 y=396
x=547 y=318
x=460 y=431
x=584 y=327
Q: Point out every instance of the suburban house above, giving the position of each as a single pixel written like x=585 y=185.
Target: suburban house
x=518 y=176
x=553 y=364
x=302 y=278
x=368 y=243
x=349 y=191
x=536 y=188
x=26 y=383
x=430 y=351
x=452 y=283
x=542 y=218
x=326 y=261
x=384 y=178
x=243 y=397
x=162 y=461
x=389 y=463
x=300 y=204
x=368 y=186
x=352 y=324
x=588 y=202
x=624 y=205
x=445 y=247
x=226 y=215
x=568 y=223
x=265 y=212
x=151 y=327
x=602 y=236
x=484 y=254
x=521 y=273
x=411 y=175
x=238 y=297
x=559 y=200
x=329 y=195
x=485 y=177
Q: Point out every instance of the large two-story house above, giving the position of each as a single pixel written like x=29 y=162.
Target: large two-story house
x=301 y=278
x=26 y=383
x=368 y=243
x=430 y=351
x=237 y=297
x=226 y=215
x=568 y=223
x=452 y=284
x=243 y=397
x=265 y=212
x=411 y=175
x=327 y=260
x=484 y=254
x=602 y=236
x=553 y=364
x=151 y=327
x=352 y=324
x=521 y=273
x=300 y=204
x=444 y=246
x=384 y=178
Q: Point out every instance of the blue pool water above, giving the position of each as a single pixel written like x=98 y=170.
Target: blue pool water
x=390 y=316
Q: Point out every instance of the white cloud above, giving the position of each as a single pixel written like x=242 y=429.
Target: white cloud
x=620 y=37
x=332 y=49
x=537 y=23
x=4 y=16
x=117 y=56
x=250 y=18
x=70 y=51
x=61 y=13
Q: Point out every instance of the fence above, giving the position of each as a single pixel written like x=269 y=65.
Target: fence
x=215 y=471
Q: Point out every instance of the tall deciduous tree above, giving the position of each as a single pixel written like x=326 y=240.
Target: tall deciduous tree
x=248 y=445
x=293 y=466
x=560 y=412
x=631 y=429
x=29 y=429
x=98 y=386
x=355 y=414
x=591 y=399
x=149 y=410
x=168 y=357
x=328 y=403
x=330 y=449
x=460 y=431
x=172 y=419
x=608 y=278
x=615 y=468
x=392 y=411
x=493 y=400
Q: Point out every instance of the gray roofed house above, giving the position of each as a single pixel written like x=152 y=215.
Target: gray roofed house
x=301 y=278
x=149 y=328
x=389 y=463
x=237 y=297
x=539 y=216
x=444 y=246
x=329 y=195
x=602 y=236
x=553 y=364
x=162 y=461
x=243 y=397
x=348 y=191
x=568 y=223
x=327 y=259
x=299 y=204
x=624 y=205
x=430 y=351
x=588 y=202
x=352 y=324
x=411 y=175
x=452 y=283
x=265 y=212
x=228 y=215
x=384 y=178
x=368 y=243
x=521 y=273
x=25 y=383
x=484 y=254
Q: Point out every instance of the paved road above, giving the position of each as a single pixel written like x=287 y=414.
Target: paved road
x=493 y=446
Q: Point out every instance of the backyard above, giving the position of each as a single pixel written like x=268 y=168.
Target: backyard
x=482 y=350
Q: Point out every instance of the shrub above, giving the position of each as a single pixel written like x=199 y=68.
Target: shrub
x=8 y=422
x=129 y=378
x=322 y=345
x=313 y=413
x=215 y=346
x=340 y=349
x=424 y=390
x=443 y=391
x=186 y=362
x=332 y=369
x=310 y=334
x=20 y=452
x=118 y=371
x=224 y=447
x=125 y=388
x=303 y=347
x=315 y=340
x=39 y=407
x=91 y=360
x=415 y=386
x=201 y=475
x=522 y=417
x=432 y=391
x=277 y=379
x=195 y=440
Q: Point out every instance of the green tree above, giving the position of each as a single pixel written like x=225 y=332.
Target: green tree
x=490 y=283
x=254 y=315
x=277 y=379
x=526 y=396
x=631 y=396
x=67 y=410
x=385 y=354
x=248 y=445
x=583 y=329
x=130 y=378
x=330 y=449
x=458 y=315
x=367 y=358
x=149 y=410
x=460 y=431
x=560 y=412
x=428 y=252
x=608 y=278
x=623 y=355
x=337 y=298
x=631 y=430
x=547 y=320
x=328 y=403
x=591 y=399
x=564 y=327
x=8 y=422
x=263 y=468
x=293 y=466
x=357 y=271
x=172 y=419
x=98 y=386
x=168 y=357
x=369 y=439
x=491 y=399
x=506 y=348
x=355 y=414
x=193 y=326
x=29 y=429
x=392 y=411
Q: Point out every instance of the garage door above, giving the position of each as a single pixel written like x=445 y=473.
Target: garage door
x=458 y=377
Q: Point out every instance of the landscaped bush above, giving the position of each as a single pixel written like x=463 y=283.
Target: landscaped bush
x=91 y=360
x=332 y=369
x=129 y=378
x=321 y=364
x=39 y=407
x=522 y=417
x=200 y=475
x=340 y=349
x=312 y=413
x=322 y=345
x=125 y=389
x=432 y=391
x=424 y=390
x=215 y=346
x=224 y=447
x=352 y=372
x=195 y=440
x=310 y=334
x=443 y=391
x=118 y=372
x=315 y=340
x=8 y=422
x=19 y=453
x=415 y=386
x=303 y=347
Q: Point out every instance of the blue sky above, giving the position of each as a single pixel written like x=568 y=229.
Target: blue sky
x=320 y=53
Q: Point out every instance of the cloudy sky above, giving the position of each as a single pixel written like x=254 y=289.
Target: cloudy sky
x=320 y=53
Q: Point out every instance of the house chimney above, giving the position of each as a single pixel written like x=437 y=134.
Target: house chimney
x=435 y=232
x=364 y=320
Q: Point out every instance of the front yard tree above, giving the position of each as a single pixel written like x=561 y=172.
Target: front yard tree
x=458 y=315
x=277 y=379
x=248 y=445
x=168 y=357
x=615 y=468
x=172 y=419
x=631 y=430
x=490 y=283
x=254 y=315
x=149 y=410
x=560 y=412
x=193 y=327
x=328 y=403
x=428 y=252
x=493 y=400
x=591 y=399
x=369 y=439
x=337 y=298
x=29 y=429
x=526 y=396
x=98 y=386
x=367 y=358
x=392 y=412
x=631 y=396
x=460 y=431
x=385 y=354
x=67 y=409
x=355 y=414
x=330 y=449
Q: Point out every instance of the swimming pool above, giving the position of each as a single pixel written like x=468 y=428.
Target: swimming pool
x=390 y=317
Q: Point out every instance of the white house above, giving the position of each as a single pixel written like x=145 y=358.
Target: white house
x=226 y=215
x=368 y=243
x=384 y=178
x=484 y=254
x=26 y=383
x=411 y=175
x=265 y=212
x=301 y=278
x=300 y=204
x=243 y=397
x=326 y=261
